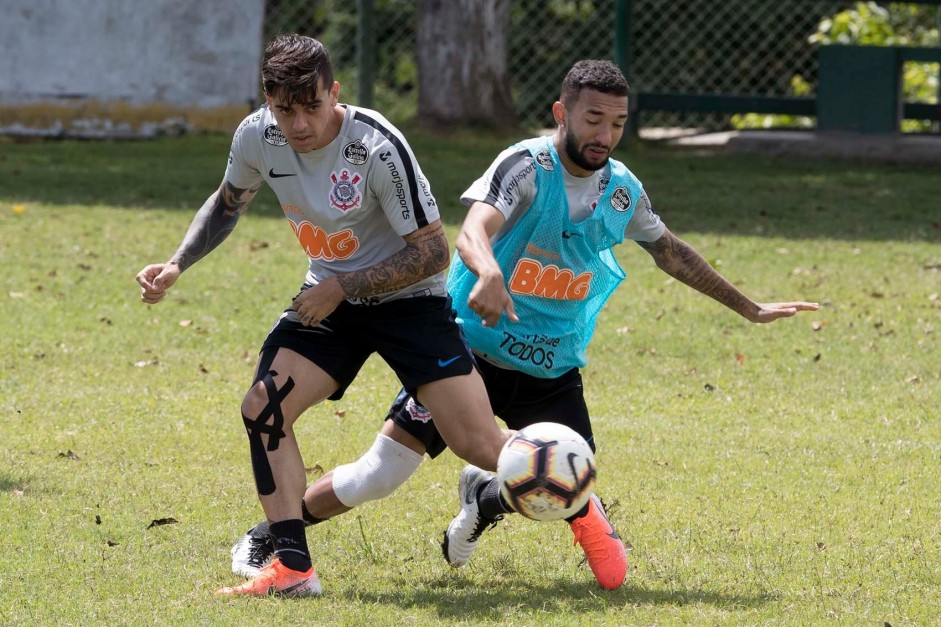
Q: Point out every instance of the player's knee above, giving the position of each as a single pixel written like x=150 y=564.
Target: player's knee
x=478 y=449
x=377 y=474
x=255 y=400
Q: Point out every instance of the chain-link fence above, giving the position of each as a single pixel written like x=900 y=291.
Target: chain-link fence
x=743 y=47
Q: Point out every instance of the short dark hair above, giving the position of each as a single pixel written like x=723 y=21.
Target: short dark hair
x=595 y=74
x=294 y=68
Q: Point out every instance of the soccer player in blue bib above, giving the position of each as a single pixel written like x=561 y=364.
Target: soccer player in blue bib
x=533 y=269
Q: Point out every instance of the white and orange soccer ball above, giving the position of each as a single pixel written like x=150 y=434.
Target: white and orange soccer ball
x=546 y=471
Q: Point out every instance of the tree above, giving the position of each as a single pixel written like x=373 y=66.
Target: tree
x=463 y=75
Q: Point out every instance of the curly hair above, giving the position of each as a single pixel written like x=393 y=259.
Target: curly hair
x=595 y=74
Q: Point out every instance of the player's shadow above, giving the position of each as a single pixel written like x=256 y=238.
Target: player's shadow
x=454 y=597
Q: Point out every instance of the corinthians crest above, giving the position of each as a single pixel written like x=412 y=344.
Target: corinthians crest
x=345 y=194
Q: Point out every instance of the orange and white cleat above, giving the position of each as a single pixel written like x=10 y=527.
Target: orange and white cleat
x=603 y=547
x=277 y=579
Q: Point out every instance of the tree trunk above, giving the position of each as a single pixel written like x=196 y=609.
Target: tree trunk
x=462 y=63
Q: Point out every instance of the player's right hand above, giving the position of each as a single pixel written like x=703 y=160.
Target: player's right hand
x=155 y=280
x=489 y=299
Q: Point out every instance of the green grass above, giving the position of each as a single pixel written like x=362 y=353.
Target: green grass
x=766 y=475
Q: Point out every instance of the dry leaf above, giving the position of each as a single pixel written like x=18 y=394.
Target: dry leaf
x=740 y=358
x=816 y=325
x=340 y=413
x=185 y=323
x=158 y=522
x=68 y=454
x=709 y=387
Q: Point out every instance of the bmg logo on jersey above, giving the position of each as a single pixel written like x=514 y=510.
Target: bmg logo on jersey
x=345 y=194
x=318 y=244
x=531 y=278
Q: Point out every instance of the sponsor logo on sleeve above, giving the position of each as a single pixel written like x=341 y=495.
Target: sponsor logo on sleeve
x=544 y=159
x=620 y=199
x=345 y=194
x=356 y=153
x=274 y=136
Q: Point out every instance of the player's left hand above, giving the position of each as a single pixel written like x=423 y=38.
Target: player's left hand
x=318 y=301
x=769 y=312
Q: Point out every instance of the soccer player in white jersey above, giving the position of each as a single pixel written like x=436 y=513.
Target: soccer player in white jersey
x=375 y=283
x=534 y=267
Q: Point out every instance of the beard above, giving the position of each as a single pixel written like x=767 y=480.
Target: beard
x=576 y=156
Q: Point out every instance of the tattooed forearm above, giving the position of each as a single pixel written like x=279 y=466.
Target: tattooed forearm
x=682 y=262
x=425 y=254
x=212 y=223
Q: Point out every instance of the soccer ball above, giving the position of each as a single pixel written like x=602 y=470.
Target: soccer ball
x=546 y=471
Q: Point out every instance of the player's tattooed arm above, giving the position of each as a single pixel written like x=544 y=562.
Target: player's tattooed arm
x=682 y=262
x=425 y=254
x=213 y=223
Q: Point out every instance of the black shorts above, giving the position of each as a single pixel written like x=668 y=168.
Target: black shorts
x=418 y=337
x=517 y=398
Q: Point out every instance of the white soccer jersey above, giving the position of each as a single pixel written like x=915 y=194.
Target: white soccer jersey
x=350 y=202
x=509 y=184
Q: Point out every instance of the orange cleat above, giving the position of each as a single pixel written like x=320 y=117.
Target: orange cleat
x=277 y=579
x=606 y=554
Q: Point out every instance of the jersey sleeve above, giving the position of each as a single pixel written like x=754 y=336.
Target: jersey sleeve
x=509 y=184
x=242 y=170
x=401 y=188
x=645 y=225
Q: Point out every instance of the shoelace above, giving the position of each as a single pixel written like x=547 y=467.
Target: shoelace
x=259 y=550
x=483 y=524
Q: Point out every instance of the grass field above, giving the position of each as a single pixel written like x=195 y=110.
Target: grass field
x=765 y=475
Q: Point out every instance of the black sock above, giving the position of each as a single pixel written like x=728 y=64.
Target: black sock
x=309 y=519
x=290 y=543
x=582 y=512
x=491 y=502
x=261 y=530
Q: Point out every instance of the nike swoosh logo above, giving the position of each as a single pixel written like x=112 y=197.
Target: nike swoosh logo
x=275 y=175
x=447 y=362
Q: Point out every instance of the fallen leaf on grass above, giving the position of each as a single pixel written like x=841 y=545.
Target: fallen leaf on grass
x=740 y=358
x=69 y=454
x=112 y=543
x=816 y=325
x=817 y=357
x=185 y=323
x=821 y=546
x=340 y=413
x=913 y=379
x=17 y=492
x=159 y=522
x=709 y=387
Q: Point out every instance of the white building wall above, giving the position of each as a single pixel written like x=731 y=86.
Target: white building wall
x=178 y=53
